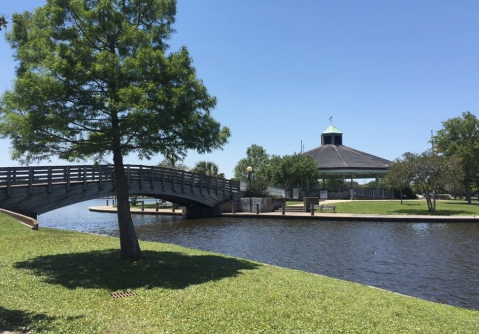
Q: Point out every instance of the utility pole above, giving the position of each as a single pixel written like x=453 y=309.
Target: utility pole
x=432 y=141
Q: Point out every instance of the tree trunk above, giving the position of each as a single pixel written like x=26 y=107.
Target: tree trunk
x=428 y=201
x=400 y=194
x=130 y=248
x=467 y=183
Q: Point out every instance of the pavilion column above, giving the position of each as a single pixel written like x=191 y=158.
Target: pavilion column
x=377 y=182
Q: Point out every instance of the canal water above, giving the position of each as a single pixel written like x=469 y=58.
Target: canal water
x=432 y=261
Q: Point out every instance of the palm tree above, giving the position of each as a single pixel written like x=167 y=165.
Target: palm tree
x=207 y=168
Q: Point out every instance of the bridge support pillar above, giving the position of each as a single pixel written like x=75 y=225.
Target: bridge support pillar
x=202 y=211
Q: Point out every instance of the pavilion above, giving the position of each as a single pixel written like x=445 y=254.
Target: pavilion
x=336 y=161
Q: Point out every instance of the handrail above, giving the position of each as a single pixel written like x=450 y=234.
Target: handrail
x=29 y=176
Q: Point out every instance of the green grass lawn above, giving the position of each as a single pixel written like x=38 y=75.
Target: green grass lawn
x=56 y=281
x=443 y=208
x=293 y=202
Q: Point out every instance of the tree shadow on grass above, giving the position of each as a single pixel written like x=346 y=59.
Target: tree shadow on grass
x=105 y=270
x=438 y=212
x=20 y=321
x=415 y=208
x=461 y=202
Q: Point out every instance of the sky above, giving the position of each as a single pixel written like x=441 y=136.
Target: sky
x=387 y=72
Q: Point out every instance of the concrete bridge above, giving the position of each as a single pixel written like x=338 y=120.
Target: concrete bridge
x=35 y=190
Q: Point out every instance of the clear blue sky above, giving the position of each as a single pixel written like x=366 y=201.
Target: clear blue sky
x=387 y=71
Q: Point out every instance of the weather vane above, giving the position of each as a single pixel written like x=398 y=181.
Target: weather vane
x=331 y=120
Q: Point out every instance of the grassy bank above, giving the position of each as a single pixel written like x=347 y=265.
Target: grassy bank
x=56 y=281
x=443 y=208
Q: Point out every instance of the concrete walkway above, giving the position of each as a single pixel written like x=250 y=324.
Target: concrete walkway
x=362 y=217
x=317 y=216
x=358 y=217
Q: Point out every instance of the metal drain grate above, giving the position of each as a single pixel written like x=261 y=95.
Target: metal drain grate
x=123 y=294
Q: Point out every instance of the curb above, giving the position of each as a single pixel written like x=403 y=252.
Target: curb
x=25 y=220
x=358 y=217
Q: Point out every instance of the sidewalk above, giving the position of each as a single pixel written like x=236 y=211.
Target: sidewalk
x=358 y=217
x=307 y=215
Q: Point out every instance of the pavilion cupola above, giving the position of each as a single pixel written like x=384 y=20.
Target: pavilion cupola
x=332 y=136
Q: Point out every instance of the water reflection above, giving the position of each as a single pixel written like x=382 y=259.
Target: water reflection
x=437 y=262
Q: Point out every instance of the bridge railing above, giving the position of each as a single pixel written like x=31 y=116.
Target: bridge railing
x=54 y=174
x=36 y=175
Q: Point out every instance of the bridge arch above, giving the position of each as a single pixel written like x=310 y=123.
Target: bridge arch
x=35 y=190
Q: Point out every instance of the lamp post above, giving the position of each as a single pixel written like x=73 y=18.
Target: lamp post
x=250 y=170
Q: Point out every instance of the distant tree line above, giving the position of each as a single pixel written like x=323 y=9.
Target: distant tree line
x=207 y=168
x=281 y=171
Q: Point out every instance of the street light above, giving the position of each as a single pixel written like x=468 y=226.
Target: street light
x=250 y=170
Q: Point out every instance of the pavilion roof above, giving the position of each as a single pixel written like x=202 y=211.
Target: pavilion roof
x=331 y=129
x=331 y=157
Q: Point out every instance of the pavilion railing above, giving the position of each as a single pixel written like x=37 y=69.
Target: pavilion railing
x=372 y=193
